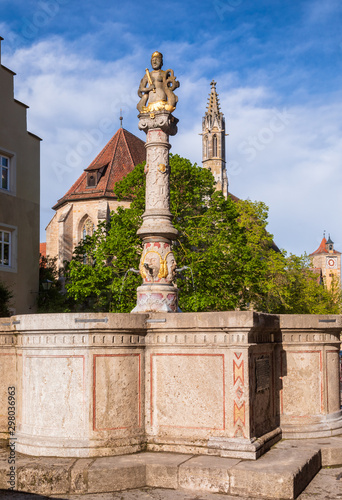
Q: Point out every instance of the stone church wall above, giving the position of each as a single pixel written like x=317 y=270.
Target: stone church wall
x=65 y=230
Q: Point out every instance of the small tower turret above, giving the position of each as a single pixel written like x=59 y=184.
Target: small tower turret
x=213 y=140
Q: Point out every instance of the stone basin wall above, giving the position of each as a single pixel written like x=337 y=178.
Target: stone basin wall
x=211 y=383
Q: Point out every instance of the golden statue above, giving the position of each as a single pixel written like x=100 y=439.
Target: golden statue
x=157 y=88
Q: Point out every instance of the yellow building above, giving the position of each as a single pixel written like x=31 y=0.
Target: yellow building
x=328 y=260
x=19 y=199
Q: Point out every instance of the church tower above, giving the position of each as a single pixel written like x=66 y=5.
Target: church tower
x=213 y=141
x=328 y=260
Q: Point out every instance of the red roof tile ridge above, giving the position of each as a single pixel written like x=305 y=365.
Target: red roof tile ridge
x=112 y=140
x=78 y=182
x=118 y=134
x=129 y=150
x=322 y=248
x=121 y=153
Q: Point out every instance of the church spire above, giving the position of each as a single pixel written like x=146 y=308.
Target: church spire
x=213 y=139
x=213 y=107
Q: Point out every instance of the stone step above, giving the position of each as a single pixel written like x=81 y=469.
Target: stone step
x=331 y=448
x=283 y=472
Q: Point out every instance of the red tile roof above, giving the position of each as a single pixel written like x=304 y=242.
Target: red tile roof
x=42 y=249
x=119 y=157
x=323 y=249
x=233 y=197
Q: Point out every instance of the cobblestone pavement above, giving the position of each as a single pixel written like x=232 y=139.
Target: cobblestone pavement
x=327 y=485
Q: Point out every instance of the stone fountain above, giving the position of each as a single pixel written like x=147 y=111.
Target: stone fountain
x=228 y=384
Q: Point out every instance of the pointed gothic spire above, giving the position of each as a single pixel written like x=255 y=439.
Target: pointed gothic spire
x=213 y=140
x=213 y=107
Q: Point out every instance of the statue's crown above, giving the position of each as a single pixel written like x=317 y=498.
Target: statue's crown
x=156 y=53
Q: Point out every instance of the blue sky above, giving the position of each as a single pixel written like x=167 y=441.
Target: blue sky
x=278 y=67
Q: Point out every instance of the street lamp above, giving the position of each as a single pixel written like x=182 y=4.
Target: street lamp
x=46 y=284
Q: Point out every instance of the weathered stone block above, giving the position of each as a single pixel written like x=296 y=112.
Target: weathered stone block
x=79 y=475
x=206 y=474
x=116 y=473
x=281 y=473
x=46 y=477
x=162 y=469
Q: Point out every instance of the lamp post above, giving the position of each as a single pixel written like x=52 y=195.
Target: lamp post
x=47 y=284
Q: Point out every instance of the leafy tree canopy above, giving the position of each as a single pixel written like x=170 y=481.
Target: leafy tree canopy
x=5 y=298
x=224 y=244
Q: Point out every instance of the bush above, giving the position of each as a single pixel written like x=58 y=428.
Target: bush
x=5 y=297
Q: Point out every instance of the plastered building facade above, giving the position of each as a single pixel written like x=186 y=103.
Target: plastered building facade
x=19 y=199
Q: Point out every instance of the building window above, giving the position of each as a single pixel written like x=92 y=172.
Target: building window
x=214 y=145
x=4 y=170
x=5 y=248
x=88 y=228
x=91 y=179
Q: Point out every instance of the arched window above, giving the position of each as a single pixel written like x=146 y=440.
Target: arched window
x=88 y=228
x=214 y=145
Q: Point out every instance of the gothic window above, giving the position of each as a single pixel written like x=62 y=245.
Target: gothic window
x=214 y=145
x=88 y=228
x=4 y=171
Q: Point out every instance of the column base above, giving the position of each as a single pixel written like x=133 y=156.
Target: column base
x=156 y=298
x=247 y=449
x=312 y=426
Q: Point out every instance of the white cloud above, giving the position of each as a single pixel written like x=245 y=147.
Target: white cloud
x=291 y=161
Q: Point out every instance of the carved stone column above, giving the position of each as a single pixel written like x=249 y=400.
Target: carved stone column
x=157 y=265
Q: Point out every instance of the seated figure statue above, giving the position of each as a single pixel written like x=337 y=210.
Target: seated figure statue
x=156 y=88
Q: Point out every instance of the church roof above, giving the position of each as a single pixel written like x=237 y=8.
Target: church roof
x=117 y=159
x=323 y=248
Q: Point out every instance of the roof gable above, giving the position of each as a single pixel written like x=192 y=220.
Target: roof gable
x=120 y=155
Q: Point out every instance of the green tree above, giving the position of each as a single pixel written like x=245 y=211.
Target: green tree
x=5 y=297
x=290 y=286
x=95 y=275
x=52 y=299
x=231 y=256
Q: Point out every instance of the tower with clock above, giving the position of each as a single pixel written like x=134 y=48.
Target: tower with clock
x=328 y=260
